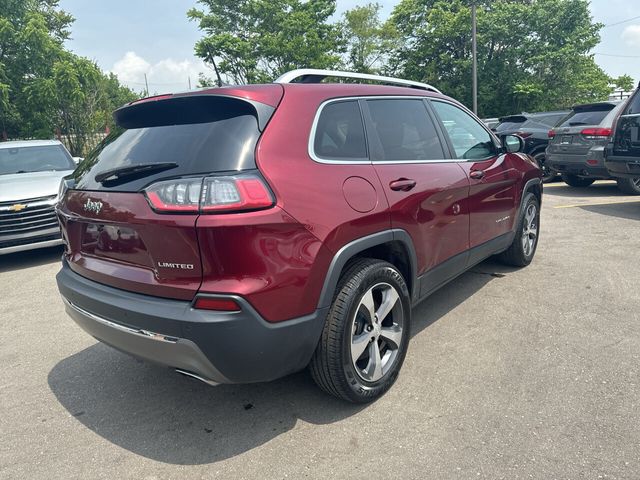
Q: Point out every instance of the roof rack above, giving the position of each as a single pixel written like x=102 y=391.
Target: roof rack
x=312 y=75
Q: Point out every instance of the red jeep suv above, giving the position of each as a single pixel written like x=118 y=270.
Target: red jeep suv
x=240 y=234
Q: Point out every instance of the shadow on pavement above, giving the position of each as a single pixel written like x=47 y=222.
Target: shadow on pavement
x=160 y=415
x=630 y=211
x=30 y=258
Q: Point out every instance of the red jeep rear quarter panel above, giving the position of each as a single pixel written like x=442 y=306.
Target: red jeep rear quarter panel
x=267 y=257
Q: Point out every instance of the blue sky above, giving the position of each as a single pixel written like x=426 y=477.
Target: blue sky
x=135 y=37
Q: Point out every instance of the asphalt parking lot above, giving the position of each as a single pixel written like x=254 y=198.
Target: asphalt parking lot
x=529 y=373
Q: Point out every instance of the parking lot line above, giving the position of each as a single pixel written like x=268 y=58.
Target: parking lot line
x=612 y=202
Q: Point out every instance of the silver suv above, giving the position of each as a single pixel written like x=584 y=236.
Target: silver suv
x=30 y=174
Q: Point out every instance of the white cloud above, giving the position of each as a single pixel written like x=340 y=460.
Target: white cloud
x=631 y=35
x=167 y=75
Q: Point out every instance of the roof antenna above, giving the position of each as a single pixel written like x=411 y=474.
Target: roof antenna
x=215 y=67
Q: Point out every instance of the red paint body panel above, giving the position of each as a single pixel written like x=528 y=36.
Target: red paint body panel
x=434 y=213
x=493 y=199
x=267 y=257
x=123 y=244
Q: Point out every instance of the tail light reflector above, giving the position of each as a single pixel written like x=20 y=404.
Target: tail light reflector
x=222 y=194
x=219 y=304
x=596 y=132
x=552 y=133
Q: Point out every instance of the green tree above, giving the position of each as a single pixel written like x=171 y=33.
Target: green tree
x=369 y=40
x=43 y=87
x=532 y=54
x=624 y=82
x=257 y=40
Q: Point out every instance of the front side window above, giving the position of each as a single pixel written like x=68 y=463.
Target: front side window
x=339 y=132
x=405 y=130
x=469 y=139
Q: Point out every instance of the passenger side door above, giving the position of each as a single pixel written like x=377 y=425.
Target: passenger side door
x=492 y=176
x=425 y=188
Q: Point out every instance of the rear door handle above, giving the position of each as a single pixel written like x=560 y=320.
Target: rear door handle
x=402 y=184
x=477 y=174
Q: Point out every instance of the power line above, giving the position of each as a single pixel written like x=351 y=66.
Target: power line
x=621 y=22
x=614 y=55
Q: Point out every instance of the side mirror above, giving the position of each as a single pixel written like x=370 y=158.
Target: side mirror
x=513 y=143
x=77 y=160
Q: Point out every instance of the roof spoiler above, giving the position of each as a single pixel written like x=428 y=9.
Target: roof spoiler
x=164 y=110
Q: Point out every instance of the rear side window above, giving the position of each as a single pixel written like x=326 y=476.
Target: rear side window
x=405 y=131
x=592 y=115
x=469 y=139
x=339 y=133
x=201 y=135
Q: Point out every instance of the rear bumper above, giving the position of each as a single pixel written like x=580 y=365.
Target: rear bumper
x=217 y=347
x=624 y=167
x=577 y=164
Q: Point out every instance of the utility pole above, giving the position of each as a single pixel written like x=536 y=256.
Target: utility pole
x=474 y=47
x=146 y=84
x=189 y=82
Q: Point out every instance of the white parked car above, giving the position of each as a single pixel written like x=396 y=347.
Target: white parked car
x=30 y=175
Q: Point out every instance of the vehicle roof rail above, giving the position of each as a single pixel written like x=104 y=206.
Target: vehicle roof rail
x=312 y=75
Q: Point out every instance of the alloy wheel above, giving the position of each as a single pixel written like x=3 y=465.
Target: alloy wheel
x=530 y=230
x=377 y=332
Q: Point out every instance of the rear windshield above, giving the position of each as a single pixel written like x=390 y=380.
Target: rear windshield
x=508 y=125
x=589 y=116
x=226 y=144
x=34 y=159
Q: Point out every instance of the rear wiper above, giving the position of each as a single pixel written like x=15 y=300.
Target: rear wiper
x=138 y=170
x=575 y=124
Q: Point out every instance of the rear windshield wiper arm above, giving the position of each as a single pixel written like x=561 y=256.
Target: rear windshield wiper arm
x=145 y=169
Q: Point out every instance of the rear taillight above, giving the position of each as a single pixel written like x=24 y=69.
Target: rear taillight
x=222 y=194
x=593 y=133
x=218 y=304
x=552 y=133
x=524 y=134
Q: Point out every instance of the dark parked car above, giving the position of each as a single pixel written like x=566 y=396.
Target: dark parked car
x=534 y=129
x=240 y=234
x=577 y=146
x=623 y=152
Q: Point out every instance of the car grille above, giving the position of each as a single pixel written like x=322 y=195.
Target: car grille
x=36 y=214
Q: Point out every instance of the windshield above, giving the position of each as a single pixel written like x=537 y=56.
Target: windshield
x=34 y=159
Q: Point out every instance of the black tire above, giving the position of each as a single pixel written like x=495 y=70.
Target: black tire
x=517 y=255
x=630 y=186
x=548 y=175
x=575 y=181
x=332 y=367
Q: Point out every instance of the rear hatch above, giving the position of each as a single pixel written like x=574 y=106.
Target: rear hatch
x=588 y=126
x=626 y=142
x=129 y=214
